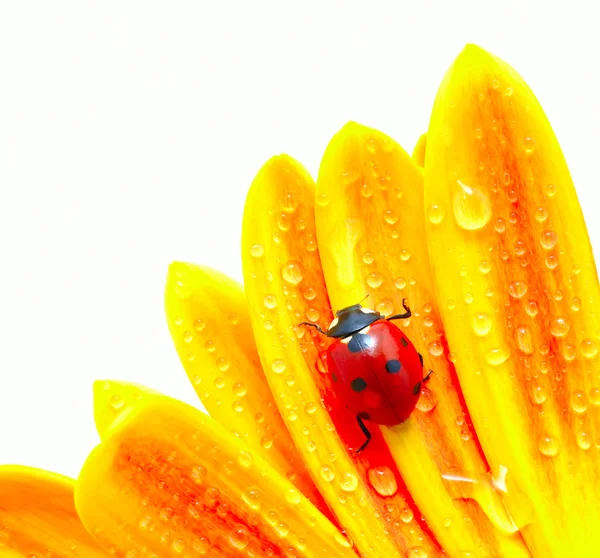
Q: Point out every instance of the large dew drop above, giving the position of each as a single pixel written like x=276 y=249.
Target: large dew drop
x=292 y=272
x=472 y=208
x=383 y=480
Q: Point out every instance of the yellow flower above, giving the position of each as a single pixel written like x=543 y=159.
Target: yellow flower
x=482 y=233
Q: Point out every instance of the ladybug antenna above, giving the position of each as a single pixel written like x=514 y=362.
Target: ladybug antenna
x=364 y=299
x=316 y=326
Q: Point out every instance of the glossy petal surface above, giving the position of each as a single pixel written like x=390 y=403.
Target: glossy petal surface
x=169 y=481
x=285 y=286
x=209 y=322
x=376 y=187
x=518 y=293
x=38 y=518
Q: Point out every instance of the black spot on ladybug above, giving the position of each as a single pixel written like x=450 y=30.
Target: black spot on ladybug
x=417 y=389
x=404 y=342
x=393 y=366
x=334 y=377
x=360 y=342
x=358 y=384
x=421 y=359
x=365 y=416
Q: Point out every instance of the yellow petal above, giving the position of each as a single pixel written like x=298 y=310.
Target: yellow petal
x=112 y=398
x=384 y=202
x=518 y=293
x=169 y=481
x=285 y=286
x=38 y=518
x=419 y=151
x=208 y=318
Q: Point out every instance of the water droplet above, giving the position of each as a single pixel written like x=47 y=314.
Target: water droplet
x=245 y=458
x=270 y=301
x=366 y=191
x=584 y=440
x=400 y=283
x=548 y=445
x=497 y=356
x=524 y=337
x=383 y=480
x=482 y=324
x=312 y=314
x=198 y=474
x=484 y=266
x=559 y=326
x=199 y=325
x=374 y=280
x=435 y=348
x=550 y=190
x=528 y=145
x=436 y=213
x=292 y=272
x=531 y=307
x=238 y=538
x=472 y=208
x=405 y=255
x=469 y=298
x=539 y=394
x=278 y=365
x=284 y=222
x=427 y=400
x=210 y=346
x=293 y=496
x=188 y=336
x=117 y=402
x=548 y=239
x=406 y=515
x=595 y=396
x=390 y=217
x=541 y=214
x=368 y=258
x=500 y=225
x=323 y=200
x=257 y=251
x=416 y=552
x=219 y=383
x=551 y=261
x=517 y=289
x=266 y=441
x=579 y=401
x=589 y=348
x=384 y=307
x=568 y=351
x=240 y=389
x=252 y=498
x=327 y=473
x=310 y=408
x=348 y=481
x=237 y=406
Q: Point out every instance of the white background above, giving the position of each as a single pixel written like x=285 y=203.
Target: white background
x=129 y=133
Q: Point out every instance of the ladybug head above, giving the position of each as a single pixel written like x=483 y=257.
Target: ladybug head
x=351 y=319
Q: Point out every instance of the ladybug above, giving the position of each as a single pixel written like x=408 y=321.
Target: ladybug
x=377 y=370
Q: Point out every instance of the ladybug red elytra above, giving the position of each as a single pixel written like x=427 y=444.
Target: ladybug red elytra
x=376 y=369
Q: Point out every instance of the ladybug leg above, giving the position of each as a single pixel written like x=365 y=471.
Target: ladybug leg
x=316 y=326
x=365 y=431
x=406 y=314
x=428 y=377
